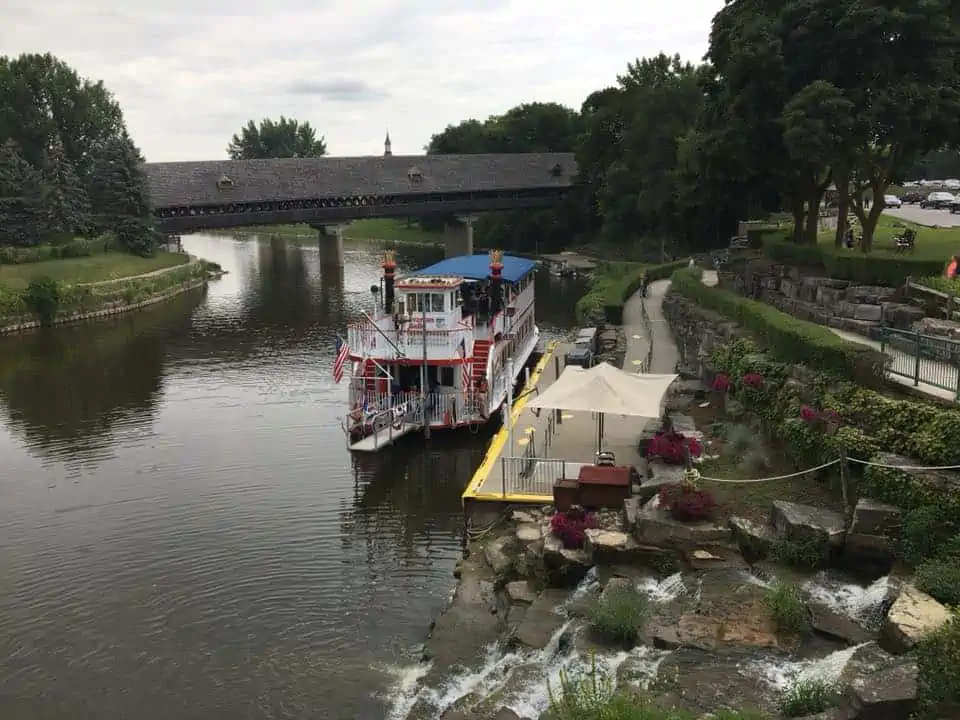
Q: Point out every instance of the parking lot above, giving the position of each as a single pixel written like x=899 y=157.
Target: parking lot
x=930 y=218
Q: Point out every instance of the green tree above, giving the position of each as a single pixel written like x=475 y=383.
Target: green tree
x=20 y=217
x=63 y=198
x=120 y=197
x=285 y=138
x=937 y=165
x=43 y=101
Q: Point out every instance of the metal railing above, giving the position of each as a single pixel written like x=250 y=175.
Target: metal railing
x=530 y=475
x=922 y=358
x=384 y=424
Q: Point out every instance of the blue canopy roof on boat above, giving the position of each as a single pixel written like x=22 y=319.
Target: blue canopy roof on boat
x=477 y=267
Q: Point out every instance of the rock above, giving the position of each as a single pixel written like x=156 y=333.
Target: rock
x=871 y=517
x=872 y=554
x=698 y=631
x=901 y=316
x=753 y=538
x=609 y=547
x=870 y=294
x=523 y=516
x=541 y=621
x=714 y=557
x=890 y=694
x=912 y=615
x=566 y=567
x=521 y=592
x=805 y=523
x=655 y=527
x=506 y=714
x=866 y=661
x=631 y=511
x=497 y=552
x=663 y=636
x=869 y=313
x=454 y=715
x=834 y=624
x=529 y=534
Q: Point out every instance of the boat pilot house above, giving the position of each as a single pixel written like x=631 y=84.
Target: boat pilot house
x=441 y=344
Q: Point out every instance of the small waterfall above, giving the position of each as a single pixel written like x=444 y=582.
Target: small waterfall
x=670 y=588
x=588 y=586
x=780 y=674
x=405 y=689
x=864 y=604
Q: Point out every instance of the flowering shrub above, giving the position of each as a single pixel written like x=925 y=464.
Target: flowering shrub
x=827 y=420
x=752 y=380
x=686 y=503
x=808 y=414
x=721 y=383
x=571 y=526
x=668 y=446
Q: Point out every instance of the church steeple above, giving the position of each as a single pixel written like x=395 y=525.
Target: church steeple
x=387 y=146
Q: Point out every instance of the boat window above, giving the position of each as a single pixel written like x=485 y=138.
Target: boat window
x=414 y=304
x=436 y=302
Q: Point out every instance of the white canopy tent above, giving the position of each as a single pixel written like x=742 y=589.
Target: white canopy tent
x=604 y=389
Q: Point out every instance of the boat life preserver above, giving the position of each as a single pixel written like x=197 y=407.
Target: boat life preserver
x=398 y=412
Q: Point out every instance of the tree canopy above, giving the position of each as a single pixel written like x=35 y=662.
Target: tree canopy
x=58 y=164
x=794 y=97
x=284 y=138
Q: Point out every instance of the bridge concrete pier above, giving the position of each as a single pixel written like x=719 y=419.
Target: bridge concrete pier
x=458 y=239
x=330 y=244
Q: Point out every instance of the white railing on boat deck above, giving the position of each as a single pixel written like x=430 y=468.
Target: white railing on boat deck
x=366 y=341
x=372 y=412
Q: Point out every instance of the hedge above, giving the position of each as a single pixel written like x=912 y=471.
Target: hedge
x=852 y=265
x=615 y=283
x=77 y=247
x=787 y=338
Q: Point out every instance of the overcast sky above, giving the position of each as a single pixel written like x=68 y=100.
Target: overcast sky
x=189 y=73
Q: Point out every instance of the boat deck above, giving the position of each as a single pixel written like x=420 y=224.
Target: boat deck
x=545 y=447
x=376 y=441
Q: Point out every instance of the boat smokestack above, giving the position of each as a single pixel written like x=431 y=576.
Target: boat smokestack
x=496 y=283
x=389 y=268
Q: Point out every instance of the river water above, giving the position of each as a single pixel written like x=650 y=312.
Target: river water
x=182 y=531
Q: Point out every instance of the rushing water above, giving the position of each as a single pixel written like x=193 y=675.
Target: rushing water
x=182 y=532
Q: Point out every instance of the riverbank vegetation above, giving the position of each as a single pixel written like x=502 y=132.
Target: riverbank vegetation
x=68 y=167
x=614 y=283
x=91 y=269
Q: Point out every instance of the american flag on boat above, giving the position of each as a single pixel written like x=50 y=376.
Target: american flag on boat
x=343 y=352
x=466 y=369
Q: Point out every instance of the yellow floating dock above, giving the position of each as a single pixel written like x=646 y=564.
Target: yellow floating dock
x=546 y=447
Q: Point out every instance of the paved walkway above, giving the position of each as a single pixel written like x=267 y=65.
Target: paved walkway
x=573 y=441
x=903 y=364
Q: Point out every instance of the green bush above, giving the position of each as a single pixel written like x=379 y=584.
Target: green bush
x=859 y=268
x=619 y=614
x=940 y=579
x=787 y=338
x=43 y=297
x=938 y=655
x=788 y=608
x=72 y=248
x=806 y=554
x=808 y=697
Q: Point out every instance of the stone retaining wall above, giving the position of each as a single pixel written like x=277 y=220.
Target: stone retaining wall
x=30 y=322
x=825 y=301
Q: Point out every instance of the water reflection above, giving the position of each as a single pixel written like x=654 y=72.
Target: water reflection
x=182 y=531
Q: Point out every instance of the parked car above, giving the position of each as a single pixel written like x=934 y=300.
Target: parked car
x=892 y=201
x=912 y=197
x=955 y=207
x=938 y=200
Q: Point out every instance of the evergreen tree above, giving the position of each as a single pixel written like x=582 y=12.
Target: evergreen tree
x=66 y=207
x=120 y=197
x=20 y=216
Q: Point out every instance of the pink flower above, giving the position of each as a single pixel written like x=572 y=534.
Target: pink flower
x=753 y=380
x=808 y=413
x=721 y=383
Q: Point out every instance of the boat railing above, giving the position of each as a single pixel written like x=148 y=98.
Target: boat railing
x=365 y=340
x=375 y=413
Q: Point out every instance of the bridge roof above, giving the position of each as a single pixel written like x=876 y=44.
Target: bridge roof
x=477 y=267
x=194 y=184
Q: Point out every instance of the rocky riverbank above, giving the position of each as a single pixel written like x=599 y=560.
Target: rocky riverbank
x=722 y=622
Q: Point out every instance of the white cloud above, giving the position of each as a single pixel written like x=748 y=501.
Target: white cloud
x=190 y=74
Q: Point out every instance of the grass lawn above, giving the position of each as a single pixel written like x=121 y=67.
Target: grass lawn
x=931 y=244
x=104 y=266
x=394 y=230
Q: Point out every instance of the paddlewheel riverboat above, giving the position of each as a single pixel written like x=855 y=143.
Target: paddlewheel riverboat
x=443 y=347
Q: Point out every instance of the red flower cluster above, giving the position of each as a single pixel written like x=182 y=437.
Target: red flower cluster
x=668 y=446
x=808 y=414
x=571 y=526
x=752 y=380
x=721 y=383
x=686 y=504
